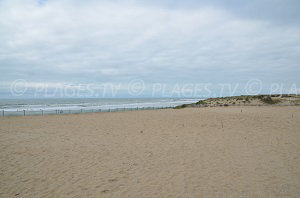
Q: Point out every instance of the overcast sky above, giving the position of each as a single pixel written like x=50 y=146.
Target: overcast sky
x=170 y=42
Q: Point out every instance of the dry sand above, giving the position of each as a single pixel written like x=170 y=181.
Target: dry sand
x=158 y=153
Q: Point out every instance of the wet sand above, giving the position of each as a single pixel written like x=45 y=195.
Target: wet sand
x=193 y=152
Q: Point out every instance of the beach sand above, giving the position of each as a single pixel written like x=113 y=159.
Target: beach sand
x=192 y=152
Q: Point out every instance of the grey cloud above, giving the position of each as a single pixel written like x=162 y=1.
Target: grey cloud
x=112 y=41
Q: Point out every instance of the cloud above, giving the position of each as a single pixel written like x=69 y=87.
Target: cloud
x=116 y=41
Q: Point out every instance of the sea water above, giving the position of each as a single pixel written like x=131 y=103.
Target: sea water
x=89 y=103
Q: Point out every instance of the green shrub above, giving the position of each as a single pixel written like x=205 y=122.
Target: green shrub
x=200 y=102
x=269 y=100
x=181 y=106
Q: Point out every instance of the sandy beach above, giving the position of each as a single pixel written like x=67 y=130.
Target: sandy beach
x=192 y=152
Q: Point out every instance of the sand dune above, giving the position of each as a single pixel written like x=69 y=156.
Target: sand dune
x=193 y=152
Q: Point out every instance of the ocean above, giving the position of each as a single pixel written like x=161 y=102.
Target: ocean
x=88 y=103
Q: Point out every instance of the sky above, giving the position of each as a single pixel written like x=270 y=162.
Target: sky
x=160 y=46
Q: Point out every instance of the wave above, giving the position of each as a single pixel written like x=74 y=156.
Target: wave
x=67 y=104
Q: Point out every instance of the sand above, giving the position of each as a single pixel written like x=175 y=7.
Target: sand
x=254 y=100
x=193 y=152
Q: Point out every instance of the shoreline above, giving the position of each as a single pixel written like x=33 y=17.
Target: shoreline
x=92 y=111
x=87 y=104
